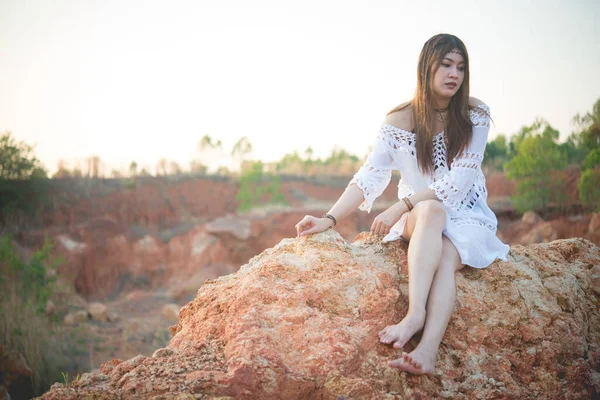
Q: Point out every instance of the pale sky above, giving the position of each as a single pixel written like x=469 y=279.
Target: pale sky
x=144 y=80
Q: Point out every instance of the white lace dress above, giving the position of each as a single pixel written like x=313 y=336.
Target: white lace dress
x=470 y=224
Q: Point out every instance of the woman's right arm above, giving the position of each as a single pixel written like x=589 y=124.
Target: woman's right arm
x=368 y=183
x=346 y=204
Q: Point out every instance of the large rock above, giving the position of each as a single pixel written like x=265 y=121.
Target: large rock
x=76 y=317
x=98 y=312
x=300 y=321
x=531 y=217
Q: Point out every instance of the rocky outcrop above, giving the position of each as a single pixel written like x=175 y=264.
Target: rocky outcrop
x=300 y=321
x=103 y=258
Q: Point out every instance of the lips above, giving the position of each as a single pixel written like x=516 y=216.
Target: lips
x=451 y=85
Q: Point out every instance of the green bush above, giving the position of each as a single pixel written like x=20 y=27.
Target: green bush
x=588 y=188
x=537 y=155
x=591 y=160
x=24 y=327
x=258 y=188
x=23 y=182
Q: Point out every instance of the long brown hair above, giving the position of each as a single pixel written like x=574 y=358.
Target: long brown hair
x=458 y=127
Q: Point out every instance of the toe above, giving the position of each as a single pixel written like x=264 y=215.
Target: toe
x=403 y=365
x=398 y=345
x=396 y=363
x=412 y=369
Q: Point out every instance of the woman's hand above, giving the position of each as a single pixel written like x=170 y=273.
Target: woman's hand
x=310 y=225
x=384 y=221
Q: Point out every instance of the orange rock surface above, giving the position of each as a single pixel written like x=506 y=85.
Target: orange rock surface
x=300 y=321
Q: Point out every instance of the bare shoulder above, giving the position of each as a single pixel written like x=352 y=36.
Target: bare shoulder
x=474 y=101
x=403 y=118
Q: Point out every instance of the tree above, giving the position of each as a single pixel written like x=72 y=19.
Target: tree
x=308 y=153
x=61 y=170
x=161 y=167
x=573 y=150
x=197 y=168
x=23 y=183
x=174 y=168
x=589 y=125
x=144 y=173
x=591 y=160
x=496 y=153
x=77 y=173
x=588 y=186
x=207 y=143
x=95 y=167
x=210 y=153
x=241 y=149
x=133 y=169
x=537 y=155
x=17 y=160
x=290 y=163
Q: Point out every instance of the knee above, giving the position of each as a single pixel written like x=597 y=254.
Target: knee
x=431 y=210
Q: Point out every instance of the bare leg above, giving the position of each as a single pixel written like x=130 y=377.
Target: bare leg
x=424 y=253
x=439 y=309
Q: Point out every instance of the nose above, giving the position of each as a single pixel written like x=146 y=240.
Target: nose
x=454 y=72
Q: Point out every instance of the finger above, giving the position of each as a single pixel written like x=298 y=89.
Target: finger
x=299 y=228
x=378 y=229
x=383 y=229
x=310 y=231
x=374 y=226
x=307 y=225
x=304 y=223
x=303 y=229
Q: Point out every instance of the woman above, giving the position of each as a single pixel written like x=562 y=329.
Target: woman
x=436 y=141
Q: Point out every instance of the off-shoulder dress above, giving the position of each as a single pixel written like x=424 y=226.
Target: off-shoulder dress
x=470 y=223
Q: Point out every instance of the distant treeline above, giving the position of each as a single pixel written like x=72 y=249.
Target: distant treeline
x=528 y=156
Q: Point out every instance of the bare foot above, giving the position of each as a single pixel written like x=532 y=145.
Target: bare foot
x=421 y=361
x=401 y=333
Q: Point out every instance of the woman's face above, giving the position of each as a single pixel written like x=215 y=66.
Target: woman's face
x=450 y=75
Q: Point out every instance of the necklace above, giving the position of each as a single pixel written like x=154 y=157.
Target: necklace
x=442 y=114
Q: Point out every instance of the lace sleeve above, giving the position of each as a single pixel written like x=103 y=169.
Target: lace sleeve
x=376 y=173
x=453 y=187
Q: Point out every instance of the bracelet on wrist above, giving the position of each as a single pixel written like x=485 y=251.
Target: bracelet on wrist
x=408 y=203
x=331 y=217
